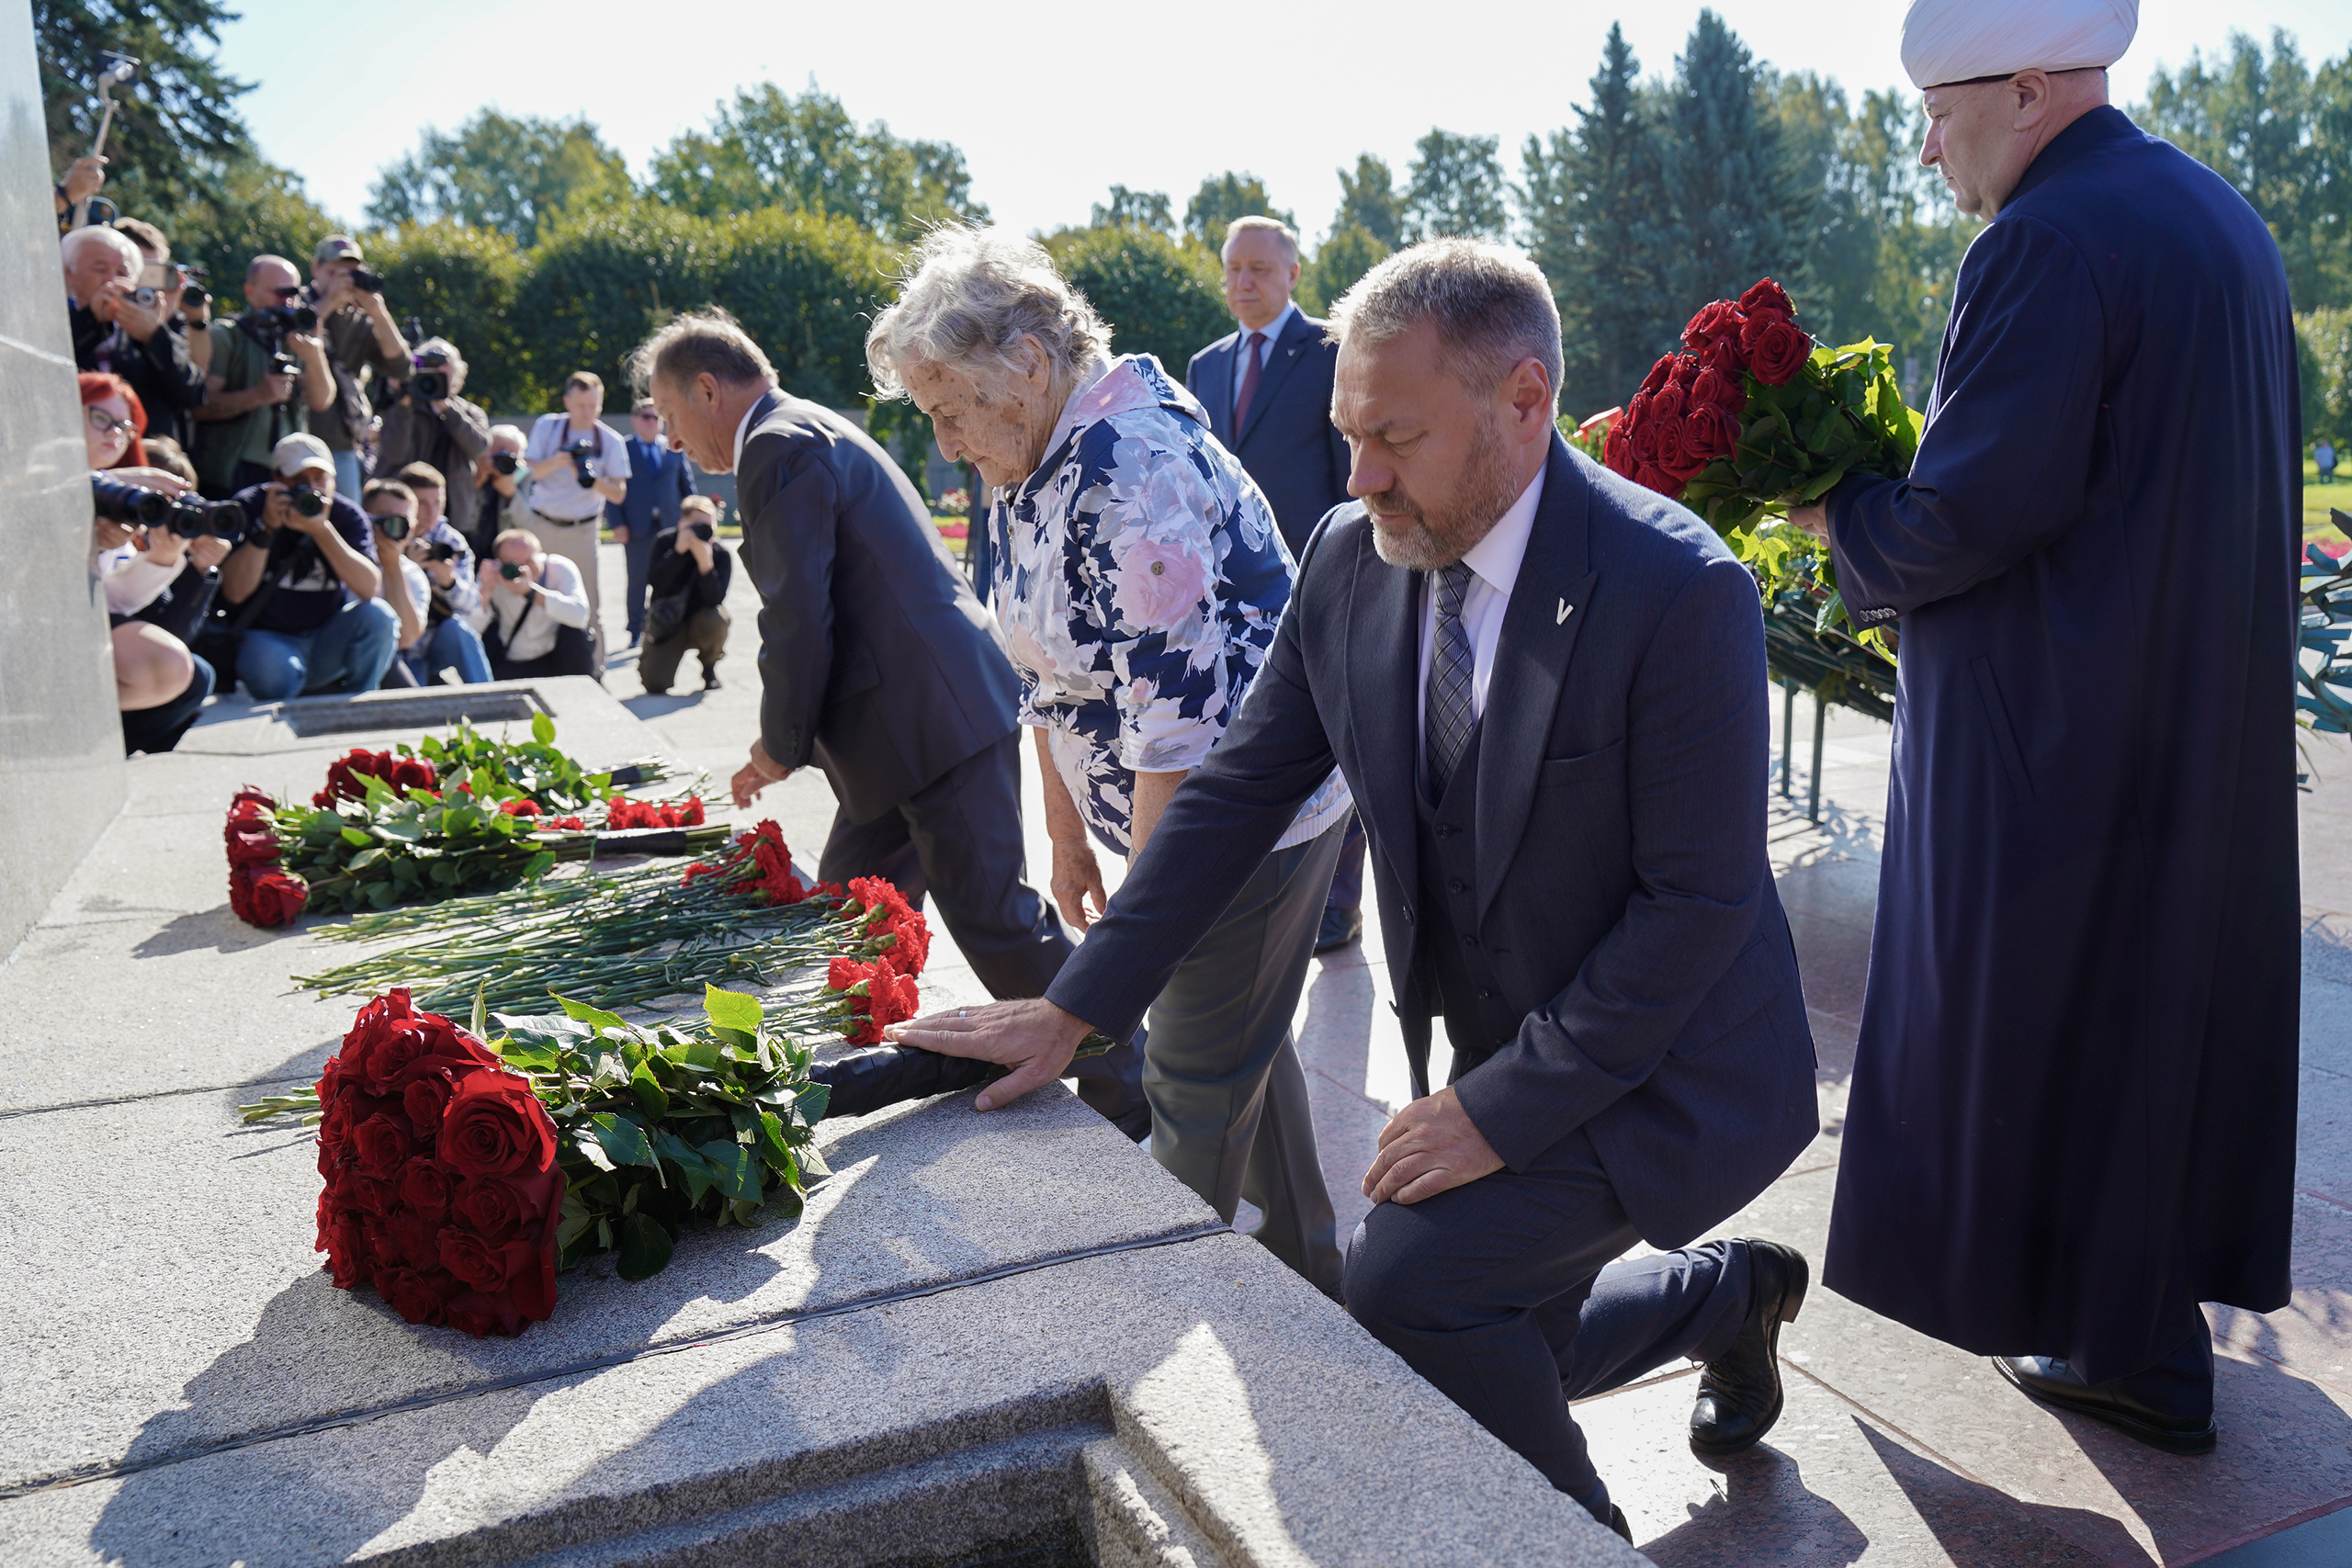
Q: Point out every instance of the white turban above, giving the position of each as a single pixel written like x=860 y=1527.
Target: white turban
x=1956 y=40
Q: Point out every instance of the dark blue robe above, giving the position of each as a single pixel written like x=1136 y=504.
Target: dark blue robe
x=2073 y=1108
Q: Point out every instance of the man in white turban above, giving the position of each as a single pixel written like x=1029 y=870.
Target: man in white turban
x=2072 y=1110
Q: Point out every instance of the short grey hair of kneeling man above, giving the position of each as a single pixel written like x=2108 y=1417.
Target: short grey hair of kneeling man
x=966 y=296
x=1491 y=306
x=705 y=340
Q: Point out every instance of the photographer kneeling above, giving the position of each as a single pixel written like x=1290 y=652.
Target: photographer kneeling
x=434 y=591
x=535 y=612
x=306 y=606
x=687 y=579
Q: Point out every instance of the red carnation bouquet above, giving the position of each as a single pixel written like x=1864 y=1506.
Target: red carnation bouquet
x=442 y=1187
x=1751 y=418
x=261 y=892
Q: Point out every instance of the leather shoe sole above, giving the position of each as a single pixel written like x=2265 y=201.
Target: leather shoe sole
x=1722 y=1423
x=2084 y=1399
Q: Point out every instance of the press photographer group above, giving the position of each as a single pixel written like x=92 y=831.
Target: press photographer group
x=293 y=495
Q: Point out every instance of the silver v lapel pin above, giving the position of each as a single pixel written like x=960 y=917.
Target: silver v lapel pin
x=1566 y=610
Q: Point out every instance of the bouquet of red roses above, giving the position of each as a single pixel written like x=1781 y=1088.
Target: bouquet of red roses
x=442 y=1186
x=261 y=890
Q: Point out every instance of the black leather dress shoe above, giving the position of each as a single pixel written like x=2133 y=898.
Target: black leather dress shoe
x=1739 y=1390
x=1339 y=928
x=2050 y=1379
x=1617 y=1522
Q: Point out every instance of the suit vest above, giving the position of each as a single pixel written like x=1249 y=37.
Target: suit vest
x=1451 y=962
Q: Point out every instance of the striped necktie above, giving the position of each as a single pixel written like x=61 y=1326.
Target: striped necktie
x=1449 y=714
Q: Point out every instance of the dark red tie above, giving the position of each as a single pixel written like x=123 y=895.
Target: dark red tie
x=1249 y=383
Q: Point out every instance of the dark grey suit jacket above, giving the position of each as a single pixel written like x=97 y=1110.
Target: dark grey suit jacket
x=1287 y=443
x=877 y=664
x=1628 y=908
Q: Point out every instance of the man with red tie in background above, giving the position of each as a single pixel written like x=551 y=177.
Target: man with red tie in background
x=1268 y=389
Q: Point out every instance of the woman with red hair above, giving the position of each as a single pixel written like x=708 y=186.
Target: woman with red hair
x=113 y=421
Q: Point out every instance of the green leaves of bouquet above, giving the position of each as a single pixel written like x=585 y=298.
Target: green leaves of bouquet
x=533 y=768
x=658 y=1126
x=1844 y=414
x=389 y=848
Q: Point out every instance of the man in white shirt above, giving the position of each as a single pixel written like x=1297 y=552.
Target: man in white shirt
x=534 y=613
x=577 y=465
x=1545 y=688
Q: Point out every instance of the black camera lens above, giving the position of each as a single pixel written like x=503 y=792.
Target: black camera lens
x=367 y=280
x=119 y=502
x=144 y=298
x=392 y=525
x=504 y=462
x=703 y=531
x=301 y=318
x=429 y=385
x=441 y=549
x=194 y=519
x=195 y=294
x=511 y=570
x=310 y=502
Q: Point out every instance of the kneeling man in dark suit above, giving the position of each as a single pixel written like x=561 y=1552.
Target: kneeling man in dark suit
x=1546 y=687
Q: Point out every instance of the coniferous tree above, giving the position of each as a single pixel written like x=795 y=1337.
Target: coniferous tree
x=176 y=127
x=1457 y=187
x=1369 y=200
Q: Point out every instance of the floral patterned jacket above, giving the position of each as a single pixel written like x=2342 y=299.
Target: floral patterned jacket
x=1139 y=580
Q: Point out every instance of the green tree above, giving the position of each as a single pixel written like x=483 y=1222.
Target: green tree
x=1369 y=200
x=805 y=153
x=501 y=172
x=1338 y=263
x=1162 y=297
x=176 y=127
x=1585 y=202
x=1457 y=187
x=1734 y=209
x=1134 y=209
x=459 y=283
x=248 y=209
x=1224 y=197
x=2281 y=135
x=2325 y=338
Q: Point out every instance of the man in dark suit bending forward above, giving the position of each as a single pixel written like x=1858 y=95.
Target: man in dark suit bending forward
x=1546 y=687
x=876 y=665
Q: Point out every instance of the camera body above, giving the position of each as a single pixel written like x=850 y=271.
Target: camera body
x=306 y=499
x=505 y=463
x=703 y=531
x=362 y=278
x=583 y=454
x=279 y=320
x=512 y=570
x=440 y=550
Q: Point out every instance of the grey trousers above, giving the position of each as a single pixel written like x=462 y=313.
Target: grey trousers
x=1229 y=1115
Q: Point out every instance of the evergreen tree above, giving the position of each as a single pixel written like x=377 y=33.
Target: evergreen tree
x=1134 y=209
x=1841 y=245
x=501 y=172
x=176 y=127
x=1222 y=200
x=805 y=153
x=1457 y=187
x=1733 y=211
x=1369 y=201
x=1587 y=198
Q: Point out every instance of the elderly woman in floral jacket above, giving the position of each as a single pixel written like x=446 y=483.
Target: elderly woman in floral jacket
x=1139 y=578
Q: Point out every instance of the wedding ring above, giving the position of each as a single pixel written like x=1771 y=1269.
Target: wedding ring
x=963 y=1012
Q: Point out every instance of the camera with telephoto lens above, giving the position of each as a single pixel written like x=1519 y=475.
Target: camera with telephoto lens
x=505 y=463
x=702 y=531
x=279 y=320
x=119 y=502
x=583 y=454
x=189 y=516
x=192 y=517
x=431 y=382
x=392 y=525
x=512 y=570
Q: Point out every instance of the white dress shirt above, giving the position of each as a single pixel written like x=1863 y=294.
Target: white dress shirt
x=1273 y=331
x=562 y=599
x=743 y=426
x=1494 y=567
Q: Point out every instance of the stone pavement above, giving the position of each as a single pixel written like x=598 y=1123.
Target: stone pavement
x=1895 y=1450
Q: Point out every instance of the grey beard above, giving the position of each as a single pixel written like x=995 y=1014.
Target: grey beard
x=1429 y=537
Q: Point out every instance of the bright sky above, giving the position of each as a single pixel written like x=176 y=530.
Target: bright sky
x=1052 y=101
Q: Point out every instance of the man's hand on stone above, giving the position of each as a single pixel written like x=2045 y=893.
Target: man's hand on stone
x=1427 y=1147
x=1030 y=1035
x=1813 y=520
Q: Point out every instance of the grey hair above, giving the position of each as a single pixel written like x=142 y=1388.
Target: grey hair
x=510 y=431
x=447 y=350
x=966 y=296
x=1280 y=230
x=708 y=340
x=76 y=240
x=1492 y=307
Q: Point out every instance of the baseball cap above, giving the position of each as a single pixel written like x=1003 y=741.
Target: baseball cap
x=334 y=248
x=298 y=452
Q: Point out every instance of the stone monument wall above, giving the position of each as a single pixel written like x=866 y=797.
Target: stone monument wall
x=60 y=742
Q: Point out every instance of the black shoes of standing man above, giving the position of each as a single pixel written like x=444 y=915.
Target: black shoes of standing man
x=1739 y=1390
x=2134 y=1406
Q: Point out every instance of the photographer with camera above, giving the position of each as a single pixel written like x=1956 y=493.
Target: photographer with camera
x=502 y=487
x=425 y=420
x=433 y=593
x=533 y=620
x=270 y=374
x=119 y=309
x=577 y=465
x=301 y=599
x=688 y=577
x=363 y=343
x=190 y=302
